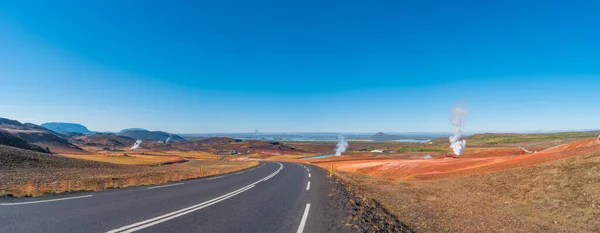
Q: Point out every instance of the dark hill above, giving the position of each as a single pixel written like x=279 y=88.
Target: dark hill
x=8 y=139
x=10 y=124
x=105 y=139
x=151 y=135
x=39 y=136
x=12 y=158
x=62 y=127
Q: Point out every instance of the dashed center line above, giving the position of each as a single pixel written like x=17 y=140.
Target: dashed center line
x=309 y=175
x=308 y=186
x=303 y=221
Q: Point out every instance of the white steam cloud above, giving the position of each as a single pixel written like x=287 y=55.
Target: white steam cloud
x=169 y=138
x=137 y=145
x=456 y=143
x=342 y=145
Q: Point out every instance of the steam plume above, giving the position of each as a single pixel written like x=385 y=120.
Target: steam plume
x=169 y=138
x=456 y=143
x=137 y=145
x=342 y=145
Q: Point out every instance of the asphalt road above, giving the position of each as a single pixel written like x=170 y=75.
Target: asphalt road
x=274 y=197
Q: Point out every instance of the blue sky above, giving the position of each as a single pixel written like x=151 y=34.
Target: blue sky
x=301 y=66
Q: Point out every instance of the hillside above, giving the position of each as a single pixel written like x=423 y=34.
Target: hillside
x=105 y=140
x=63 y=127
x=39 y=136
x=225 y=144
x=8 y=139
x=536 y=141
x=151 y=135
x=15 y=158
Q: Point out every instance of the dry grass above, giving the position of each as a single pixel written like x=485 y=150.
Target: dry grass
x=558 y=196
x=62 y=174
x=124 y=158
x=197 y=155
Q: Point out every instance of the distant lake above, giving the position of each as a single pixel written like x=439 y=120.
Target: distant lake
x=320 y=156
x=413 y=140
x=307 y=139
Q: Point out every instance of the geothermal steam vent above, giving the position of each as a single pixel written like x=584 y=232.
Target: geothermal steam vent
x=137 y=145
x=341 y=146
x=456 y=142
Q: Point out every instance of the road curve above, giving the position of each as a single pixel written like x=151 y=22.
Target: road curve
x=274 y=197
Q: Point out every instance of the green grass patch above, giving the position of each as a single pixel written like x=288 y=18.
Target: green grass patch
x=494 y=139
x=419 y=149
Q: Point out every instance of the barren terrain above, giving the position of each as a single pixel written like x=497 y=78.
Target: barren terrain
x=487 y=189
x=28 y=173
x=558 y=196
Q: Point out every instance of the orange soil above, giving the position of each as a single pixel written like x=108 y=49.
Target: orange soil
x=473 y=161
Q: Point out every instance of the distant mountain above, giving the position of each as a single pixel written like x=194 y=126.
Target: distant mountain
x=39 y=136
x=380 y=137
x=63 y=127
x=151 y=135
x=133 y=129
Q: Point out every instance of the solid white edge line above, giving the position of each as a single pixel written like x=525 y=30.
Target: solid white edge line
x=303 y=221
x=165 y=217
x=239 y=173
x=172 y=216
x=308 y=186
x=166 y=185
x=41 y=201
x=214 y=178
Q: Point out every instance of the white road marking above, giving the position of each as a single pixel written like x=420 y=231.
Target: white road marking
x=178 y=213
x=307 y=170
x=309 y=175
x=163 y=186
x=303 y=221
x=214 y=178
x=41 y=201
x=239 y=173
x=308 y=186
x=172 y=215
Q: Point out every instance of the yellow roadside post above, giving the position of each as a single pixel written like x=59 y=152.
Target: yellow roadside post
x=201 y=171
x=331 y=171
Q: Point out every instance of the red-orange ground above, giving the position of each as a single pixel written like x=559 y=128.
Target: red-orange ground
x=473 y=161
